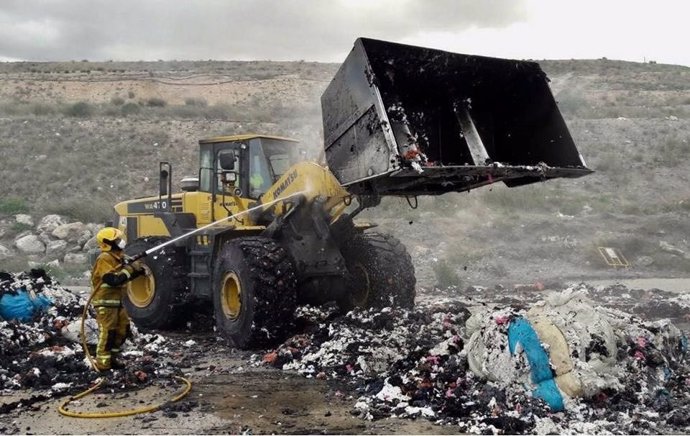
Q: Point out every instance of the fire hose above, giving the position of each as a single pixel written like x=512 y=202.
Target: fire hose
x=188 y=385
x=63 y=407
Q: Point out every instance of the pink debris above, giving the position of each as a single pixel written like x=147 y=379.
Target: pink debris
x=501 y=320
x=433 y=359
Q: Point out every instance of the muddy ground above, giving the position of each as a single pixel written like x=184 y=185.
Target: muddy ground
x=233 y=393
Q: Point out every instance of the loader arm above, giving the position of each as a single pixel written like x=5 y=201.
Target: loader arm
x=307 y=182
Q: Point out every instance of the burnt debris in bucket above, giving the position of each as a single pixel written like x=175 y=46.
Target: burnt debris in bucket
x=442 y=121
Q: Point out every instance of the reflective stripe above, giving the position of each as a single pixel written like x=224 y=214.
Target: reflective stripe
x=107 y=303
x=127 y=273
x=102 y=356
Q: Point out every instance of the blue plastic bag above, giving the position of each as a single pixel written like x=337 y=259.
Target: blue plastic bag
x=22 y=306
x=521 y=332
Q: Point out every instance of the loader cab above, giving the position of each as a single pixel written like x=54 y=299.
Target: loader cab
x=244 y=165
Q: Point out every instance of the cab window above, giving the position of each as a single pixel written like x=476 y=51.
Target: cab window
x=228 y=161
x=260 y=177
x=281 y=155
x=206 y=171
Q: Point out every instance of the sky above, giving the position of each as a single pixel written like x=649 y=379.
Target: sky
x=324 y=30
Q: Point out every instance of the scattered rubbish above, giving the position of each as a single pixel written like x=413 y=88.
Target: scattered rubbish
x=457 y=359
x=492 y=369
x=45 y=351
x=72 y=331
x=613 y=257
x=20 y=296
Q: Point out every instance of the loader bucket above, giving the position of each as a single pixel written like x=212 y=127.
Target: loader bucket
x=405 y=120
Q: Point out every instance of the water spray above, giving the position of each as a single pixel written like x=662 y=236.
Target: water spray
x=129 y=260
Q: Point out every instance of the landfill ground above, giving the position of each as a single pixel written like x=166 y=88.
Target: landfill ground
x=249 y=392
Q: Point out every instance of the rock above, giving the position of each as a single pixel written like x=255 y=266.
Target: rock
x=84 y=238
x=668 y=248
x=49 y=222
x=5 y=252
x=69 y=232
x=76 y=258
x=53 y=263
x=94 y=228
x=45 y=238
x=91 y=244
x=22 y=234
x=56 y=248
x=30 y=244
x=74 y=249
x=24 y=219
x=644 y=261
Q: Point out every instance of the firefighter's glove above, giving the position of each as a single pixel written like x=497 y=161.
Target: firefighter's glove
x=138 y=269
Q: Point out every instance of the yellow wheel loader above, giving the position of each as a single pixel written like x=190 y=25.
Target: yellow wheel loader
x=268 y=230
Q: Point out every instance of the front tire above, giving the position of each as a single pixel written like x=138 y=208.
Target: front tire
x=381 y=272
x=254 y=293
x=153 y=300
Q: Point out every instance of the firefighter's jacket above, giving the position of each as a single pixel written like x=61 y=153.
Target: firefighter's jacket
x=109 y=278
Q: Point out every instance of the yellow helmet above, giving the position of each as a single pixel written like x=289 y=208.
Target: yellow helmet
x=109 y=238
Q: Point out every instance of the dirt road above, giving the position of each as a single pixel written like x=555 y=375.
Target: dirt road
x=227 y=397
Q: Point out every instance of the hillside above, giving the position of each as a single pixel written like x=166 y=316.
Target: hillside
x=80 y=136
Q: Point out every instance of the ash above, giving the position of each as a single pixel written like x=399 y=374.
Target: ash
x=414 y=364
x=446 y=361
x=45 y=354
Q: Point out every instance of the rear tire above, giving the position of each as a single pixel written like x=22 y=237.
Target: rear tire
x=381 y=272
x=153 y=300
x=254 y=293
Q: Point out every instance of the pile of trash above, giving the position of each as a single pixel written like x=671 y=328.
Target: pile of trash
x=562 y=365
x=40 y=344
x=19 y=296
x=33 y=353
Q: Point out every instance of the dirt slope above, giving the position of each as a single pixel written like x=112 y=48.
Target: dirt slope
x=96 y=131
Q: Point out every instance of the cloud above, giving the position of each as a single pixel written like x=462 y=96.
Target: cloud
x=323 y=30
x=220 y=29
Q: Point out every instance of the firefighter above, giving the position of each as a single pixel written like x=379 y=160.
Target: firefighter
x=108 y=279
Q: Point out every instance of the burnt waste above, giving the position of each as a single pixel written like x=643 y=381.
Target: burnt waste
x=447 y=361
x=43 y=355
x=414 y=364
